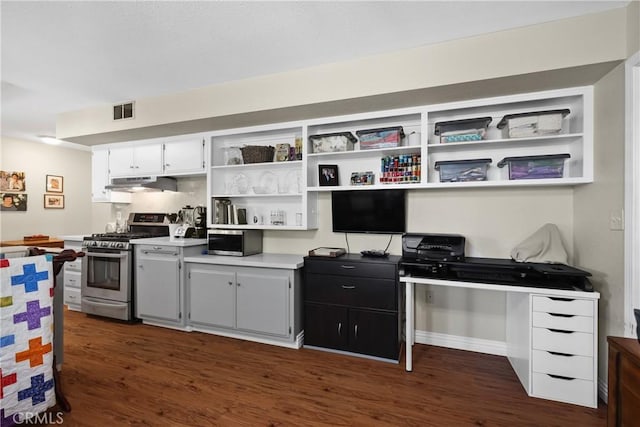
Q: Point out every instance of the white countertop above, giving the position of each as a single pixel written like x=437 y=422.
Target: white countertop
x=169 y=241
x=75 y=237
x=287 y=261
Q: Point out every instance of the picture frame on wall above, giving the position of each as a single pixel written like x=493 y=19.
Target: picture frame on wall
x=55 y=184
x=53 y=201
x=328 y=175
x=16 y=202
x=12 y=181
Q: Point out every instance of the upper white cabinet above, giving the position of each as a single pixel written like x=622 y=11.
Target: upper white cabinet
x=417 y=160
x=136 y=160
x=257 y=179
x=184 y=156
x=100 y=178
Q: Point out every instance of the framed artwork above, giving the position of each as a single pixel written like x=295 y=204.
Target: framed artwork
x=53 y=201
x=16 y=202
x=12 y=181
x=54 y=184
x=328 y=175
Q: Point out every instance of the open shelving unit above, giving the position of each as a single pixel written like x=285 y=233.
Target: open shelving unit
x=293 y=186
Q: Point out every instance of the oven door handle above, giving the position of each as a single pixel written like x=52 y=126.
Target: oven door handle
x=93 y=301
x=105 y=255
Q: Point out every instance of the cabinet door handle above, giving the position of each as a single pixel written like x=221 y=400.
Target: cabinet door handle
x=340 y=328
x=166 y=165
x=238 y=284
x=355 y=330
x=348 y=267
x=348 y=287
x=230 y=283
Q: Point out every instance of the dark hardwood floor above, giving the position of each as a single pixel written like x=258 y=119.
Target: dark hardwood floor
x=123 y=374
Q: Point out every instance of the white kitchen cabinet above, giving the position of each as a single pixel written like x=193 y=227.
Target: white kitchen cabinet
x=72 y=275
x=262 y=188
x=245 y=302
x=184 y=156
x=100 y=179
x=136 y=160
x=159 y=283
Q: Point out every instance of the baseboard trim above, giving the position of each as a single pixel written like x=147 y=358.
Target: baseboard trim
x=478 y=345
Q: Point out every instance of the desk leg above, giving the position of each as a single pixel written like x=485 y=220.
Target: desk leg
x=409 y=328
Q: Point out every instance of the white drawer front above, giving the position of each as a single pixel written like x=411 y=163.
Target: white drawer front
x=578 y=343
x=580 y=307
x=560 y=321
x=72 y=279
x=72 y=296
x=581 y=392
x=73 y=265
x=564 y=365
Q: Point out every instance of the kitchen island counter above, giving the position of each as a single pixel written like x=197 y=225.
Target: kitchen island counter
x=266 y=260
x=180 y=242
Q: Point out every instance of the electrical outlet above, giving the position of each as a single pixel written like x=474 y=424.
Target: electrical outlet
x=616 y=220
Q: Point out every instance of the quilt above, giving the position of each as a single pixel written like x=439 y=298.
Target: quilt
x=26 y=338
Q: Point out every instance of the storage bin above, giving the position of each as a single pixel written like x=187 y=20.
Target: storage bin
x=535 y=123
x=332 y=142
x=380 y=138
x=462 y=130
x=257 y=153
x=535 y=167
x=463 y=170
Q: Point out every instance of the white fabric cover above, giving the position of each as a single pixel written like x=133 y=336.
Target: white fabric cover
x=545 y=245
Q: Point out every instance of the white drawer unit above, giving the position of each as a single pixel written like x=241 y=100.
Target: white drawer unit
x=564 y=389
x=72 y=298
x=72 y=277
x=558 y=305
x=564 y=349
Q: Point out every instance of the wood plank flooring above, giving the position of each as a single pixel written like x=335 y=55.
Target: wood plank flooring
x=123 y=374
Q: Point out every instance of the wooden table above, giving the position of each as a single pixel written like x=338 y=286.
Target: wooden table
x=624 y=382
x=52 y=242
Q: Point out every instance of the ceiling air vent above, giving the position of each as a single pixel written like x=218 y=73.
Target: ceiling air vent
x=123 y=111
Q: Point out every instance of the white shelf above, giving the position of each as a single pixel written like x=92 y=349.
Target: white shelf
x=291 y=163
x=374 y=151
x=251 y=195
x=259 y=227
x=491 y=142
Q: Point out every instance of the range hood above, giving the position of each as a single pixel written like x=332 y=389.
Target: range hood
x=143 y=183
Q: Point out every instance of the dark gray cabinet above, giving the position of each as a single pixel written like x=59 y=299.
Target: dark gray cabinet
x=353 y=304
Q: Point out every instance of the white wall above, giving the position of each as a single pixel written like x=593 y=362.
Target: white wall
x=565 y=43
x=599 y=249
x=38 y=160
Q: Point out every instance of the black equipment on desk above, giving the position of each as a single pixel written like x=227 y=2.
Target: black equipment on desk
x=433 y=247
x=441 y=256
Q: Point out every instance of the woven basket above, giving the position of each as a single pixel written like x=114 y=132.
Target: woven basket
x=257 y=153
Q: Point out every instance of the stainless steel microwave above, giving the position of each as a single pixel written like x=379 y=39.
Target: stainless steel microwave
x=234 y=242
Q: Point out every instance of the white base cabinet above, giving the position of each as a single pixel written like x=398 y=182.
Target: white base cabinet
x=72 y=274
x=552 y=345
x=254 y=303
x=159 y=284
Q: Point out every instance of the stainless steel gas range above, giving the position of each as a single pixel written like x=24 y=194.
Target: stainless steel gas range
x=107 y=273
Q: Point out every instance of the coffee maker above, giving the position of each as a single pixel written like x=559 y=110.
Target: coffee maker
x=193 y=222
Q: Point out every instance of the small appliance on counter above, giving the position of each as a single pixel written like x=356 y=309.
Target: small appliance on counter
x=193 y=222
x=234 y=242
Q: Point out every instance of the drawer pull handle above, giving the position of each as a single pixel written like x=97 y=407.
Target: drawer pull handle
x=555 y=353
x=340 y=328
x=560 y=331
x=561 y=315
x=348 y=287
x=561 y=299
x=560 y=377
x=348 y=267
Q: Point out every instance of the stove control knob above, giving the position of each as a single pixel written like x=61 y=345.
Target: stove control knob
x=94 y=244
x=119 y=245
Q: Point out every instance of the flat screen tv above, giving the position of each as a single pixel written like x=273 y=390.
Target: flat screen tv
x=368 y=211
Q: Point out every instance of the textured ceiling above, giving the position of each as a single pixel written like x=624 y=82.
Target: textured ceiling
x=65 y=56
